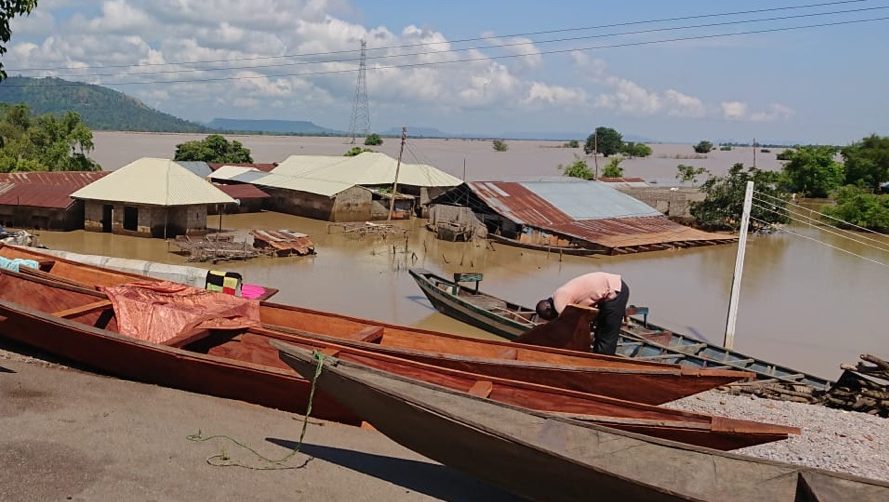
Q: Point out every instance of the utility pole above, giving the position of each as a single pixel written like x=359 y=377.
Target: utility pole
x=596 y=154
x=397 y=168
x=732 y=320
x=464 y=168
x=754 y=153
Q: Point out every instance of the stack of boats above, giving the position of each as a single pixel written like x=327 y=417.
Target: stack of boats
x=542 y=422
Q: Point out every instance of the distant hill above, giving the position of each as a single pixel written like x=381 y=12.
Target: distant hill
x=432 y=132
x=419 y=132
x=100 y=107
x=272 y=126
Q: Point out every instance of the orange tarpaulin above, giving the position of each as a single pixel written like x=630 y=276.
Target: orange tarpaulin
x=159 y=311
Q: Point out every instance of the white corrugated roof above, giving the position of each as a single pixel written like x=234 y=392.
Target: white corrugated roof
x=308 y=185
x=230 y=172
x=369 y=168
x=158 y=182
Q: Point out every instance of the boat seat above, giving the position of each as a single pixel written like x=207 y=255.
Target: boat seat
x=82 y=309
x=481 y=388
x=370 y=334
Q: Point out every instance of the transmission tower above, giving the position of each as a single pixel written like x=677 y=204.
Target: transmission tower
x=360 y=125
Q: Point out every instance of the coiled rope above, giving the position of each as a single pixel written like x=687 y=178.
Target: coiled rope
x=223 y=460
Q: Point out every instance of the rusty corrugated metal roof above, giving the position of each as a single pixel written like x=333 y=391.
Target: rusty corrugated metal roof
x=50 y=189
x=529 y=204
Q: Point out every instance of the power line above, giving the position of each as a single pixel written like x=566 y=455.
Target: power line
x=467 y=49
x=885 y=250
x=844 y=222
x=473 y=39
x=825 y=244
x=489 y=58
x=815 y=221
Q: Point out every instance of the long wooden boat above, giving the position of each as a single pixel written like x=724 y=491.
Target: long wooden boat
x=239 y=361
x=543 y=457
x=638 y=340
x=642 y=381
x=692 y=428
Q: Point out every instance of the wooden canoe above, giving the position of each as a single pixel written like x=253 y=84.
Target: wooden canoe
x=241 y=363
x=638 y=340
x=542 y=457
x=692 y=428
x=643 y=381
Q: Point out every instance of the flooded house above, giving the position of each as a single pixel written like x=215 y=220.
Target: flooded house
x=42 y=200
x=337 y=188
x=150 y=197
x=568 y=216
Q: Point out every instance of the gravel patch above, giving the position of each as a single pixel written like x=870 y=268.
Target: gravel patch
x=835 y=440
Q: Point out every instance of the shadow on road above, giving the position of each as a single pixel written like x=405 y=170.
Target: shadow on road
x=434 y=480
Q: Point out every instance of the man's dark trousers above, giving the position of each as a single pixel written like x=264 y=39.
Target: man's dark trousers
x=609 y=320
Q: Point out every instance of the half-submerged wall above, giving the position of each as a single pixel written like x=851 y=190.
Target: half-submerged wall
x=144 y=220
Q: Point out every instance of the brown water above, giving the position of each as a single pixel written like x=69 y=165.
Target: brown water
x=523 y=159
x=802 y=304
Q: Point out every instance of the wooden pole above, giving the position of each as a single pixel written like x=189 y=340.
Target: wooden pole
x=754 y=153
x=731 y=321
x=397 y=168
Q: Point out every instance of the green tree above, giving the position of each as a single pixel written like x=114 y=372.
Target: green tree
x=633 y=149
x=860 y=207
x=813 y=172
x=687 y=173
x=500 y=145
x=703 y=147
x=725 y=148
x=8 y=10
x=373 y=140
x=356 y=150
x=572 y=144
x=724 y=202
x=612 y=168
x=605 y=140
x=578 y=169
x=44 y=143
x=867 y=162
x=213 y=148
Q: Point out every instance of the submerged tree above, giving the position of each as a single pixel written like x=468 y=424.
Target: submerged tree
x=356 y=150
x=867 y=162
x=613 y=169
x=686 y=173
x=604 y=140
x=500 y=145
x=813 y=171
x=578 y=169
x=703 y=147
x=859 y=207
x=44 y=143
x=373 y=140
x=213 y=148
x=724 y=203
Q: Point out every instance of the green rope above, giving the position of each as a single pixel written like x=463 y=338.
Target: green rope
x=223 y=460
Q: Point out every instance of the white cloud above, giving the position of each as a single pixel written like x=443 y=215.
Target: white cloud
x=683 y=105
x=555 y=95
x=739 y=111
x=734 y=110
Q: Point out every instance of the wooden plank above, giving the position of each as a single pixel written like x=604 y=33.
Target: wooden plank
x=82 y=309
x=370 y=334
x=481 y=388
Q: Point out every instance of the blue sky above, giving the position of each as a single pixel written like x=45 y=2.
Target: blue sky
x=817 y=85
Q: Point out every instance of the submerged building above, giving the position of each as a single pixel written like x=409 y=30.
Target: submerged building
x=570 y=216
x=42 y=200
x=152 y=198
x=337 y=188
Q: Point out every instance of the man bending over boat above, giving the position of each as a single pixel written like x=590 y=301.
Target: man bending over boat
x=607 y=292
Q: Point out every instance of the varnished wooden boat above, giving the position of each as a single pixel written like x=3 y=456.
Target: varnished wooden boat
x=567 y=250
x=638 y=340
x=642 y=381
x=692 y=428
x=542 y=457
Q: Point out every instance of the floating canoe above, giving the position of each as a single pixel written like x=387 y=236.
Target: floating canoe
x=692 y=428
x=642 y=381
x=638 y=340
x=542 y=457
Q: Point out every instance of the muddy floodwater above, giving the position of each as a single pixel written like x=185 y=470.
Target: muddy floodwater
x=523 y=159
x=802 y=304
